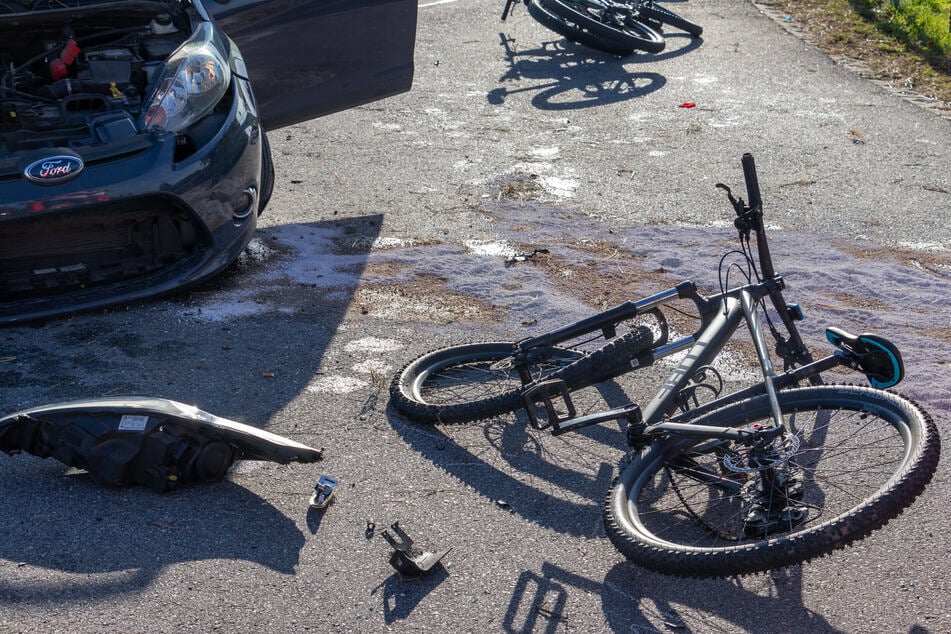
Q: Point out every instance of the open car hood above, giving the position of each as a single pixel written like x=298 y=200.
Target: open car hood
x=305 y=58
x=308 y=58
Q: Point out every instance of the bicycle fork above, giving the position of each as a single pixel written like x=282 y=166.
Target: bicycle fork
x=765 y=362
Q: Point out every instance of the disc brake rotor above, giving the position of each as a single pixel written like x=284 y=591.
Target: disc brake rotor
x=751 y=460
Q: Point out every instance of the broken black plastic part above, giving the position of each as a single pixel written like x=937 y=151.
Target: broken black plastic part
x=408 y=560
x=151 y=442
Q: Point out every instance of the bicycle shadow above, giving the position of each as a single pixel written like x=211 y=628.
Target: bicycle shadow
x=634 y=599
x=651 y=600
x=577 y=77
x=523 y=453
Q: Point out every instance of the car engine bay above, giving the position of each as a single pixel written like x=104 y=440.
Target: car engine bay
x=82 y=77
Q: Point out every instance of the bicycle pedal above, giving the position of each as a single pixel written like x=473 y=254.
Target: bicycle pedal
x=553 y=400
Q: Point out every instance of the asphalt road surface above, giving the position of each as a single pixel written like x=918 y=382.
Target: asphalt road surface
x=386 y=237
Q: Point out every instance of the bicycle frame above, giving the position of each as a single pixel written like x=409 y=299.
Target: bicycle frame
x=721 y=316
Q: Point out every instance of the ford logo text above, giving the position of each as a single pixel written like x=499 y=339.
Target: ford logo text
x=54 y=169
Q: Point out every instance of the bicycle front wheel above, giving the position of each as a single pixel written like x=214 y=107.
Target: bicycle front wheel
x=855 y=458
x=572 y=32
x=620 y=37
x=654 y=11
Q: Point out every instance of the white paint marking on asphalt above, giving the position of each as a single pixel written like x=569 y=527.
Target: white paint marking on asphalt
x=336 y=385
x=373 y=344
x=433 y=4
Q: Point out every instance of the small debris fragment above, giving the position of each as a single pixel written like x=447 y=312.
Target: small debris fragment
x=857 y=137
x=524 y=257
x=550 y=613
x=407 y=560
x=687 y=104
x=323 y=492
x=370 y=529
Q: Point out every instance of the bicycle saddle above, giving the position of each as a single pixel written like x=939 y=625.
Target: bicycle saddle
x=877 y=357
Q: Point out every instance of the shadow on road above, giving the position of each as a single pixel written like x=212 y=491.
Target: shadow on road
x=641 y=601
x=74 y=541
x=242 y=346
x=575 y=77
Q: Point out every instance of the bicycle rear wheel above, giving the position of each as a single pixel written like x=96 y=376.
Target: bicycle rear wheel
x=621 y=36
x=856 y=458
x=658 y=13
x=479 y=380
x=470 y=382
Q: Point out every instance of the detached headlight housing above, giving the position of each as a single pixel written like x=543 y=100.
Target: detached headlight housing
x=195 y=79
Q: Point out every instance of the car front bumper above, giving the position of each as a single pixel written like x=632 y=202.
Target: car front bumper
x=135 y=223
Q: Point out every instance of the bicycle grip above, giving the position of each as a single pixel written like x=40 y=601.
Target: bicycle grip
x=752 y=182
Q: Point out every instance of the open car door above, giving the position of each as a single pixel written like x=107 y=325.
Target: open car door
x=308 y=58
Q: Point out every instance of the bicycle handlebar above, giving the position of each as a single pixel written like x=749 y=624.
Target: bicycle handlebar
x=752 y=182
x=754 y=215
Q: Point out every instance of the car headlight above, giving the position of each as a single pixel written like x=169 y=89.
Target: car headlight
x=195 y=79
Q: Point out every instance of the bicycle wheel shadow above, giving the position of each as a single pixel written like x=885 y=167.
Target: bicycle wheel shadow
x=634 y=599
x=578 y=468
x=576 y=77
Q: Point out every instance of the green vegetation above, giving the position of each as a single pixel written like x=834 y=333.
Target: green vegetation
x=923 y=26
x=904 y=43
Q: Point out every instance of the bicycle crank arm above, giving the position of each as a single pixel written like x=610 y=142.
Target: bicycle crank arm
x=631 y=413
x=549 y=406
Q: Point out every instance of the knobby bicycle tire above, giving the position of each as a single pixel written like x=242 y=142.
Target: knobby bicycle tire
x=473 y=381
x=688 y=507
x=624 y=39
x=574 y=33
x=653 y=11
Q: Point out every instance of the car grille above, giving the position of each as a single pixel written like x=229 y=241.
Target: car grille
x=113 y=243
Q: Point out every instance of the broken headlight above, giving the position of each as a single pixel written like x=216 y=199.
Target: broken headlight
x=195 y=79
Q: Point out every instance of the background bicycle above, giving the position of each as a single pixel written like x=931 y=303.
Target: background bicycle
x=619 y=28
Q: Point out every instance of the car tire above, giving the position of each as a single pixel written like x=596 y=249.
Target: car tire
x=267 y=174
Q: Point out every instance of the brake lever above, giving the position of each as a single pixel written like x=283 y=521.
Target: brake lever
x=738 y=205
x=741 y=222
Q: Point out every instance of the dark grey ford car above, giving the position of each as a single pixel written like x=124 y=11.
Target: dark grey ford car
x=133 y=154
